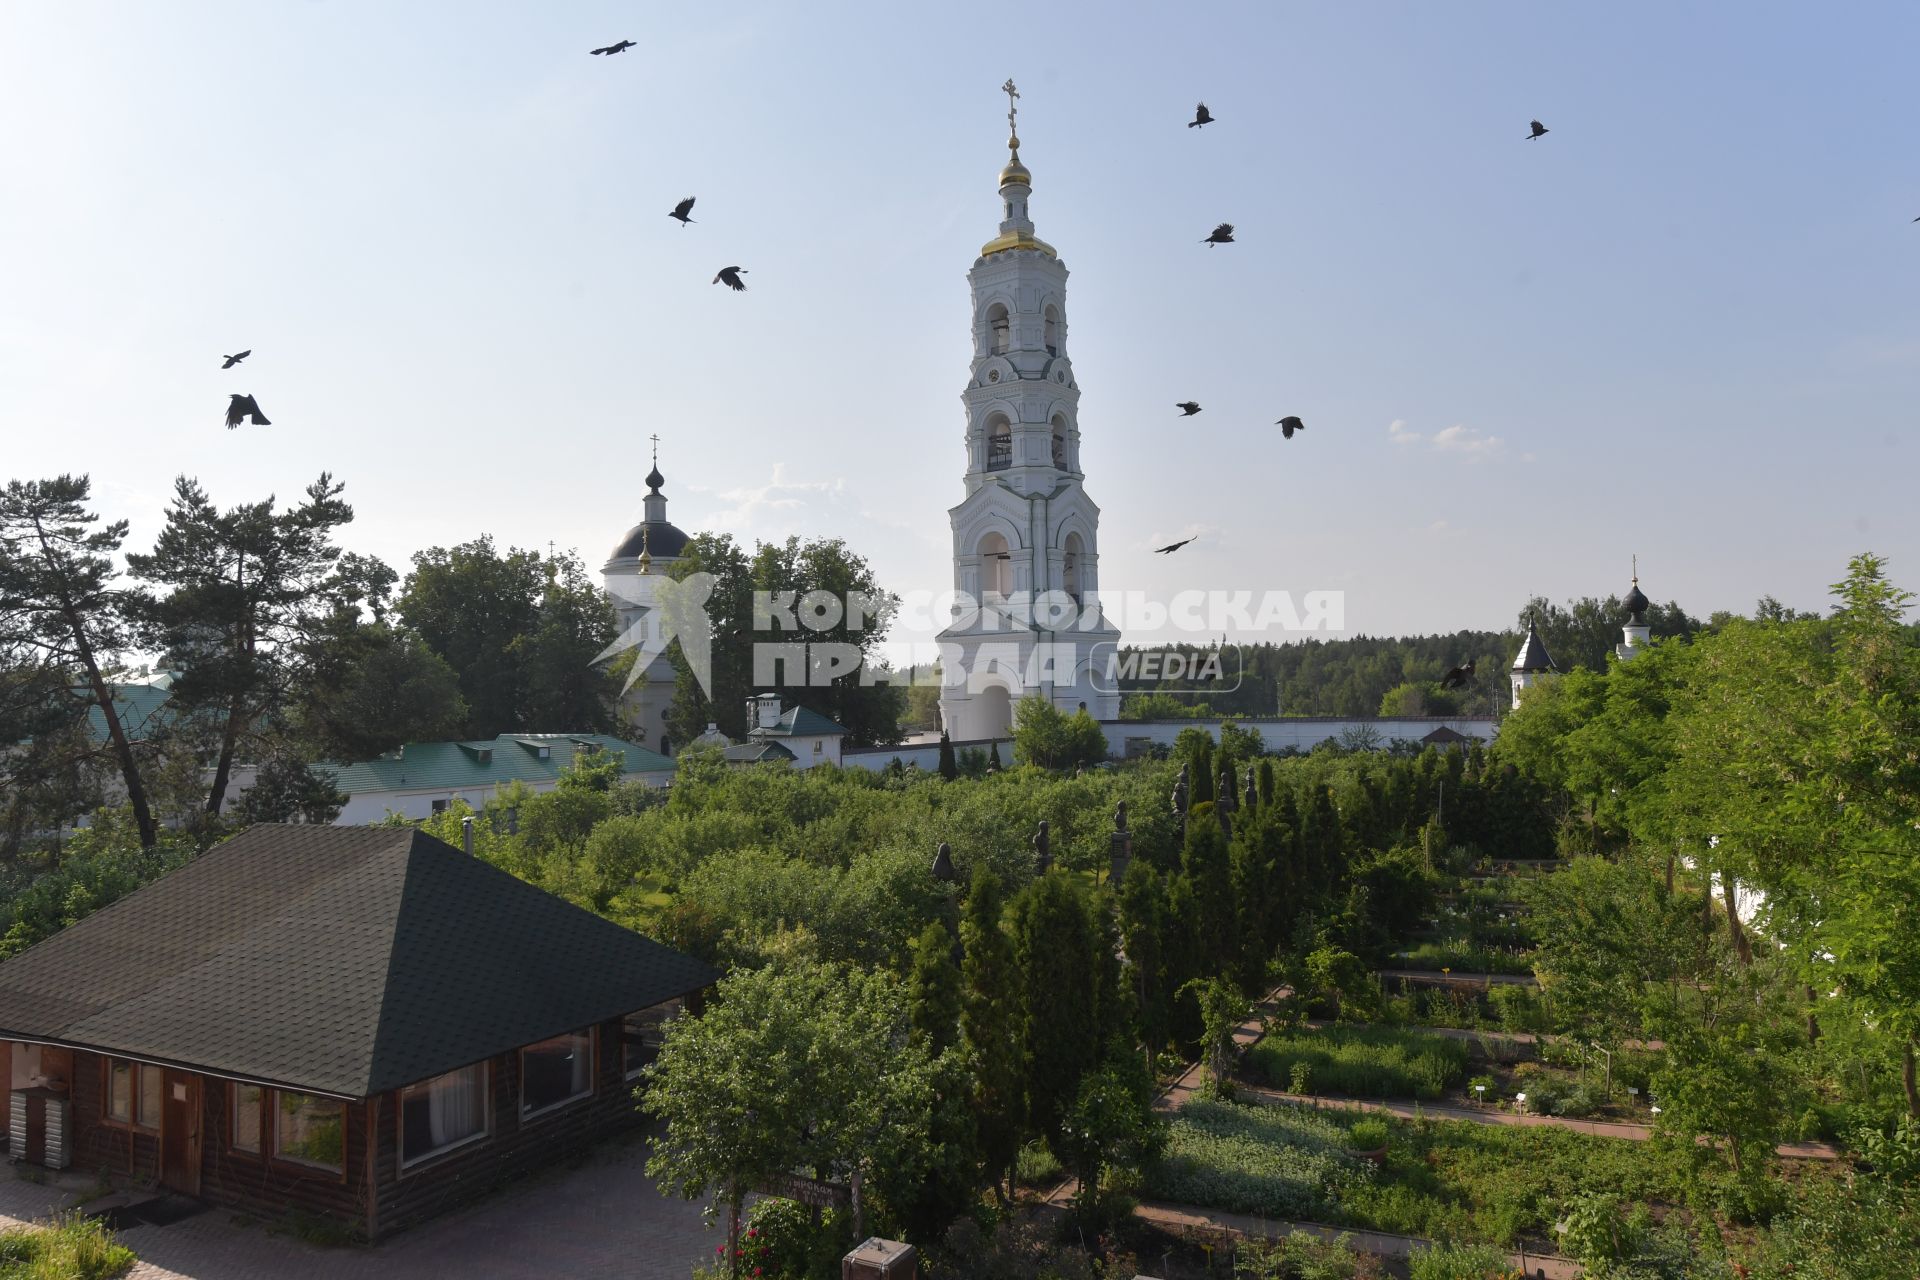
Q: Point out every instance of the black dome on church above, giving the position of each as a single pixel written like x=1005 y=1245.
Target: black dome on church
x=654 y=478
x=663 y=541
x=1636 y=602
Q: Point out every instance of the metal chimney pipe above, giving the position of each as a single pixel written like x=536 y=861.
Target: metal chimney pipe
x=466 y=835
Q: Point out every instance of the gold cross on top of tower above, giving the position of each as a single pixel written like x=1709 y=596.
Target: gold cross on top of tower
x=1013 y=107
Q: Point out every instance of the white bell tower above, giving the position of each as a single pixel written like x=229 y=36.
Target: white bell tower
x=1026 y=536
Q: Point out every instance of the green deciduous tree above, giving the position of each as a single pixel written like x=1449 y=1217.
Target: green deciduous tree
x=809 y=1066
x=933 y=990
x=286 y=789
x=1046 y=736
x=520 y=633
x=369 y=688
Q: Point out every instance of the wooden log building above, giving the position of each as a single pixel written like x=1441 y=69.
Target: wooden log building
x=362 y=1023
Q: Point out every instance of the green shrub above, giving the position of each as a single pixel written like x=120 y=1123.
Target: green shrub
x=1036 y=1166
x=1361 y=1062
x=779 y=1241
x=1367 y=1135
x=1304 y=1256
x=68 y=1247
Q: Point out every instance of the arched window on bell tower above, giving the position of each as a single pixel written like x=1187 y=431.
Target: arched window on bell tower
x=1070 y=567
x=1060 y=462
x=1053 y=330
x=999 y=329
x=999 y=443
x=996 y=566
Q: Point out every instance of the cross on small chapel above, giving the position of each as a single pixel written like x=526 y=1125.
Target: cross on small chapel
x=1013 y=109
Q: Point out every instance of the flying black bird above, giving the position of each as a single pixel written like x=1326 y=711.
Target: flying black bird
x=236 y=359
x=682 y=209
x=622 y=47
x=1288 y=425
x=1222 y=234
x=1458 y=677
x=1200 y=116
x=1167 y=551
x=1187 y=408
x=730 y=276
x=245 y=409
x=1539 y=131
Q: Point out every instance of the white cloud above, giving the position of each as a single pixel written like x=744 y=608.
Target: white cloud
x=1458 y=438
x=745 y=510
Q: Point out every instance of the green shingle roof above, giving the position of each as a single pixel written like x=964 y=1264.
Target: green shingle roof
x=511 y=757
x=801 y=722
x=338 y=960
x=135 y=704
x=760 y=752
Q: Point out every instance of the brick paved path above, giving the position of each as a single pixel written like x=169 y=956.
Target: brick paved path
x=602 y=1219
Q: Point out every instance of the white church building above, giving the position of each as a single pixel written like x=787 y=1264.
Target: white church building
x=646 y=554
x=1026 y=548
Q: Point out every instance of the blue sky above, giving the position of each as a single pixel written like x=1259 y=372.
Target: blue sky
x=1685 y=324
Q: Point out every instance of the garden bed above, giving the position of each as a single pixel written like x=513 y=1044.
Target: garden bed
x=1439 y=1179
x=1359 y=1062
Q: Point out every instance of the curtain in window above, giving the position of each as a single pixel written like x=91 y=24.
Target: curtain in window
x=120 y=1090
x=150 y=1097
x=455 y=1105
x=246 y=1117
x=582 y=1063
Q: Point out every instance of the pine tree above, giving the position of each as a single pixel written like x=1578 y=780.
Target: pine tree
x=58 y=598
x=1266 y=783
x=949 y=767
x=933 y=992
x=249 y=589
x=989 y=1027
x=993 y=758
